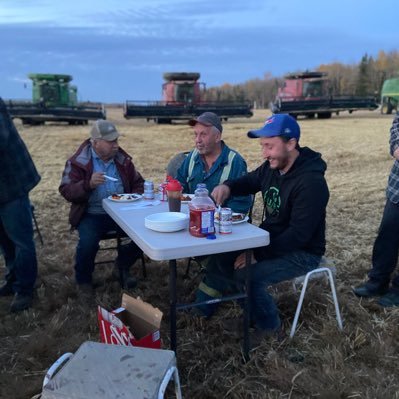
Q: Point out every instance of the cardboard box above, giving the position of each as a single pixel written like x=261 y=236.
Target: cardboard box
x=136 y=323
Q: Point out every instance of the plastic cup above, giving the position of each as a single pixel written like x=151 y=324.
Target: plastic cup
x=174 y=200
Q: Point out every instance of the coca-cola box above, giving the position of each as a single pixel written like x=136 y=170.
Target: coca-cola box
x=135 y=323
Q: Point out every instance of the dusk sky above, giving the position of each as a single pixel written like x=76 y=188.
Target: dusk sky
x=118 y=50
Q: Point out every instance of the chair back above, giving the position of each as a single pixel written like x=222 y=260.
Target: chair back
x=175 y=163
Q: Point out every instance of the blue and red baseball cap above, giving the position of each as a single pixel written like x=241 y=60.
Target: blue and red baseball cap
x=278 y=125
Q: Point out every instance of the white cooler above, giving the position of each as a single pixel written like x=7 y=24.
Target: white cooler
x=104 y=371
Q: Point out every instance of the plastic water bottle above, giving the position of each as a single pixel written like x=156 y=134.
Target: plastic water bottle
x=202 y=213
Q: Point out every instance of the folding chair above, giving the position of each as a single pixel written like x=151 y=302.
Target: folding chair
x=36 y=225
x=326 y=270
x=114 y=235
x=103 y=371
x=175 y=163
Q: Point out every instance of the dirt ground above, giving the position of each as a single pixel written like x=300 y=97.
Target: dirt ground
x=320 y=362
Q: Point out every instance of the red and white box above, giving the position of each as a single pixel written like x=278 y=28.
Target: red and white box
x=135 y=323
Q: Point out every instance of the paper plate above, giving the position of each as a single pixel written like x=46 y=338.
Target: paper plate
x=124 y=197
x=244 y=218
x=166 y=222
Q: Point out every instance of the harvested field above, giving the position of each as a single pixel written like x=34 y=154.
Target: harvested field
x=321 y=362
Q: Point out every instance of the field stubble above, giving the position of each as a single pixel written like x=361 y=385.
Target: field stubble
x=361 y=362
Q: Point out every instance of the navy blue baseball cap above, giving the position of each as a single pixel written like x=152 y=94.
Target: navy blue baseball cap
x=278 y=125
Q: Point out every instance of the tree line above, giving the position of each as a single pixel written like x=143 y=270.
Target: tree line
x=362 y=79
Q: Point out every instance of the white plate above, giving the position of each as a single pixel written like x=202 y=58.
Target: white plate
x=125 y=197
x=187 y=195
x=166 y=222
x=234 y=221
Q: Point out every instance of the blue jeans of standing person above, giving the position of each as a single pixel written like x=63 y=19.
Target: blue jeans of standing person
x=386 y=248
x=17 y=245
x=264 y=312
x=91 y=229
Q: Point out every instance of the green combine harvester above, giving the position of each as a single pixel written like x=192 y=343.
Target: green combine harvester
x=390 y=96
x=54 y=99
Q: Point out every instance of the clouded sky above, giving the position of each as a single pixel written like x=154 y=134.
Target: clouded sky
x=117 y=50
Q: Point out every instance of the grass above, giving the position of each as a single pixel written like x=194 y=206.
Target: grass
x=320 y=362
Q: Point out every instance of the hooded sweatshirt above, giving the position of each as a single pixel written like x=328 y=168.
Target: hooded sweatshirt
x=294 y=204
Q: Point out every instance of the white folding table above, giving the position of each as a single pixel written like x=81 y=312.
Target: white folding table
x=171 y=246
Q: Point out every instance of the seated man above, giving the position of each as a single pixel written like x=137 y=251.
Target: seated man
x=295 y=196
x=85 y=186
x=212 y=161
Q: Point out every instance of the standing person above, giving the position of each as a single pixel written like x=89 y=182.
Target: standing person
x=18 y=175
x=295 y=196
x=386 y=246
x=84 y=185
x=212 y=161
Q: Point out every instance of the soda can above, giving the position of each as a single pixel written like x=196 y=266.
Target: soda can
x=225 y=221
x=148 y=190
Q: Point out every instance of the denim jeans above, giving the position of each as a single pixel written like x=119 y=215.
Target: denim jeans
x=386 y=248
x=17 y=245
x=91 y=229
x=264 y=312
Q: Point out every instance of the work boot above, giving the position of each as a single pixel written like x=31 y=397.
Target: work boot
x=370 y=289
x=20 y=302
x=6 y=289
x=389 y=300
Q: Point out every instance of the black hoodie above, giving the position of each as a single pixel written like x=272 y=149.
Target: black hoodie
x=294 y=204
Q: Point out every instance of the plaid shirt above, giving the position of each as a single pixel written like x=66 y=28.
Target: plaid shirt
x=18 y=174
x=393 y=180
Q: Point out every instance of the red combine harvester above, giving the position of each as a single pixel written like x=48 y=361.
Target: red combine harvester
x=308 y=94
x=182 y=95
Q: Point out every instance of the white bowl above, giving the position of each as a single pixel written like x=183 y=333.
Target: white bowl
x=166 y=222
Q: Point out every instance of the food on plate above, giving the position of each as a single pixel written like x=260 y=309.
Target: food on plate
x=125 y=197
x=185 y=197
x=236 y=217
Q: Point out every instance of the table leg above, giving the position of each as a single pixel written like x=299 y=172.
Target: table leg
x=173 y=300
x=246 y=344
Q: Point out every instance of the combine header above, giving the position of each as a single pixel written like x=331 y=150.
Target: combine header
x=182 y=100
x=390 y=96
x=308 y=94
x=54 y=99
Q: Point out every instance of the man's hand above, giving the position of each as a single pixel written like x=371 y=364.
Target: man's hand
x=240 y=261
x=97 y=178
x=220 y=193
x=396 y=154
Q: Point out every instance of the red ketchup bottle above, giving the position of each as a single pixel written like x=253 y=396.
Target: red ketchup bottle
x=202 y=213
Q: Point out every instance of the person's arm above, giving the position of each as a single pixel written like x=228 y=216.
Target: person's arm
x=308 y=211
x=394 y=138
x=74 y=187
x=248 y=184
x=238 y=203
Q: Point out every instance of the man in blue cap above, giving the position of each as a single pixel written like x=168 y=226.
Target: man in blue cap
x=295 y=196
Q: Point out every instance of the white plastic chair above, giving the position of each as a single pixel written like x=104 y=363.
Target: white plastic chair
x=326 y=270
x=104 y=371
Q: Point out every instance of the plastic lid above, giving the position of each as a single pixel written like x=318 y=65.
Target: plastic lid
x=173 y=185
x=211 y=236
